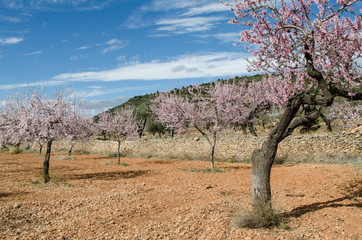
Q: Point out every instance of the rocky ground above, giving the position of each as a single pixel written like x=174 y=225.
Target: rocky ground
x=320 y=146
x=90 y=197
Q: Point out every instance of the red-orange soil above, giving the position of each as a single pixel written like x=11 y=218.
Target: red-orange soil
x=91 y=198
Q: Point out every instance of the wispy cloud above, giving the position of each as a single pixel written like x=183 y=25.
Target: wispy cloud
x=51 y=83
x=10 y=18
x=187 y=16
x=223 y=64
x=113 y=45
x=167 y=5
x=228 y=37
x=95 y=91
x=10 y=40
x=187 y=25
x=55 y=5
x=98 y=106
x=211 y=8
x=32 y=53
x=82 y=56
x=108 y=46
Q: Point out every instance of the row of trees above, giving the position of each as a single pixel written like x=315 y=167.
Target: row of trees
x=35 y=117
x=211 y=109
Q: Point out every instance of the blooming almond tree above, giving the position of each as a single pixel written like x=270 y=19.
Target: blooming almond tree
x=211 y=111
x=35 y=117
x=349 y=113
x=11 y=113
x=45 y=119
x=79 y=124
x=122 y=125
x=308 y=51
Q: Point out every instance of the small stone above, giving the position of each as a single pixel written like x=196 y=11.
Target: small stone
x=17 y=205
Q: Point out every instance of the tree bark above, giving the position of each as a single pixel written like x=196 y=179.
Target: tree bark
x=252 y=129
x=142 y=126
x=243 y=127
x=70 y=150
x=262 y=159
x=46 y=162
x=327 y=122
x=118 y=153
x=40 y=148
x=212 y=152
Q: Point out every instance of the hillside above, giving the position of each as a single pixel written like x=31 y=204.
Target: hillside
x=142 y=101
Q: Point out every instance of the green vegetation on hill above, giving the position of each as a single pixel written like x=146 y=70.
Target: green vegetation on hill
x=141 y=105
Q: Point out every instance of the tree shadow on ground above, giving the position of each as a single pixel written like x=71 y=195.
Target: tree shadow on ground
x=11 y=194
x=352 y=191
x=107 y=175
x=236 y=167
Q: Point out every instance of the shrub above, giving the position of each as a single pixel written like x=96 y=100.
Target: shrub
x=258 y=218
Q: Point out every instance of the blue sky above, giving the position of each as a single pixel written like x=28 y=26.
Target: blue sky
x=111 y=50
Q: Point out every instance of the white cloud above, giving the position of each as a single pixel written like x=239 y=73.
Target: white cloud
x=83 y=48
x=187 y=25
x=82 y=56
x=228 y=37
x=184 y=67
x=10 y=19
x=98 y=106
x=32 y=53
x=1 y=56
x=10 y=40
x=55 y=5
x=113 y=45
x=94 y=91
x=109 y=46
x=140 y=17
x=211 y=8
x=51 y=83
x=166 y=5
x=121 y=58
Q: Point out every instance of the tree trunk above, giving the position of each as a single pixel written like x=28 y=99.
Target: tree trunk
x=327 y=122
x=243 y=127
x=118 y=153
x=40 y=148
x=262 y=160
x=142 y=126
x=213 y=144
x=252 y=129
x=46 y=162
x=70 y=150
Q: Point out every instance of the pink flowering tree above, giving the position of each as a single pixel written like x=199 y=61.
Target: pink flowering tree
x=349 y=113
x=121 y=124
x=211 y=111
x=45 y=120
x=308 y=51
x=80 y=126
x=35 y=117
x=11 y=112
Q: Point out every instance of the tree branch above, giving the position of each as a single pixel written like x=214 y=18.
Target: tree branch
x=300 y=121
x=342 y=93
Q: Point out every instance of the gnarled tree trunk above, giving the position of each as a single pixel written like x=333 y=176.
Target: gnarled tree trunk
x=262 y=159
